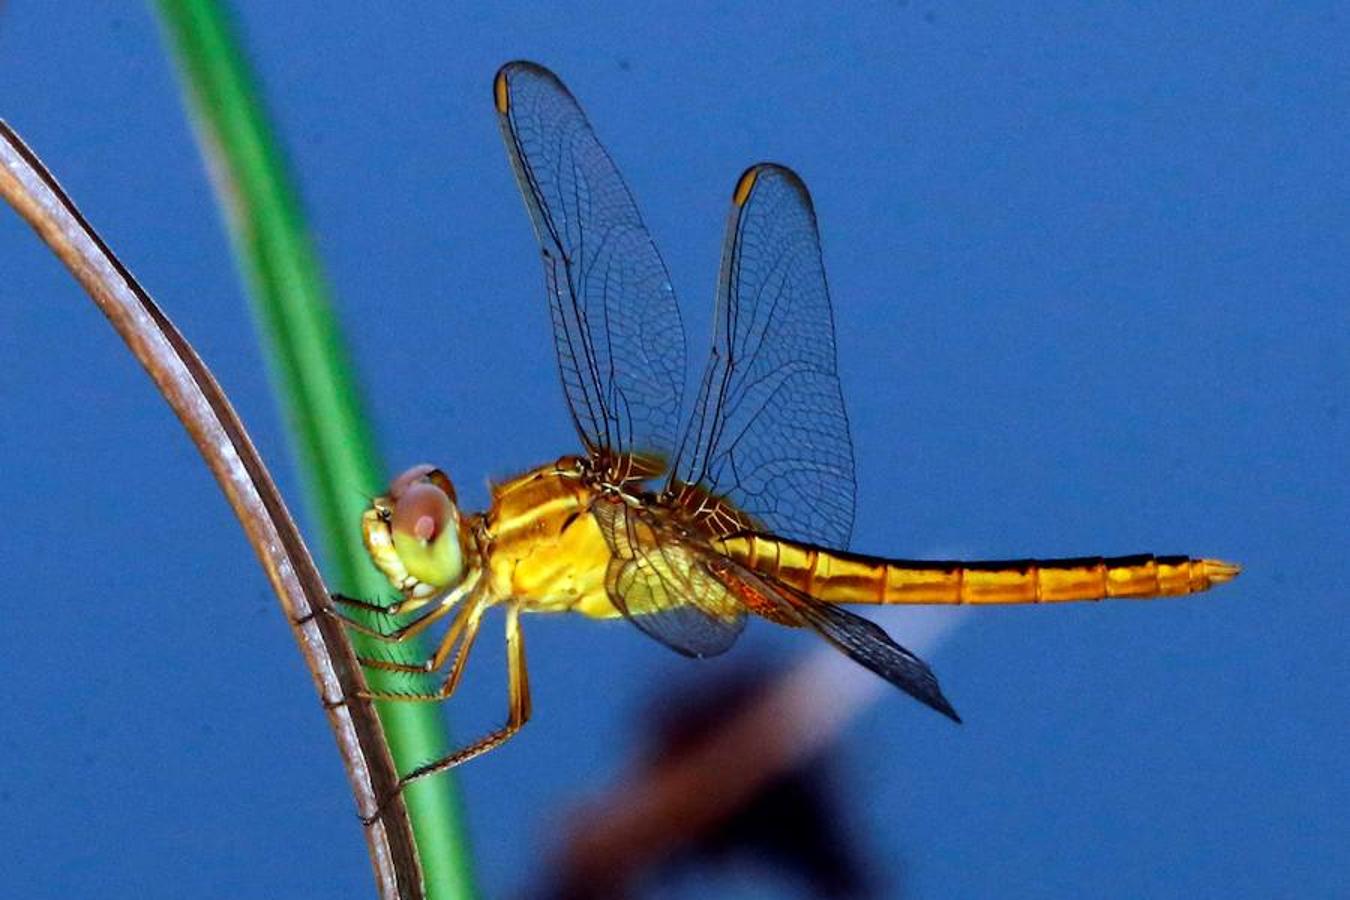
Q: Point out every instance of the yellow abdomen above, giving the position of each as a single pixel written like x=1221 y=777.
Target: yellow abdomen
x=544 y=546
x=850 y=578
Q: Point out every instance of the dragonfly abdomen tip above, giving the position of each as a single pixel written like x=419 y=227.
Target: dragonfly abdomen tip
x=1219 y=571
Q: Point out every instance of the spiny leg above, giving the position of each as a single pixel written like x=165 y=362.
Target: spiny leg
x=463 y=630
x=353 y=603
x=402 y=633
x=395 y=608
x=436 y=659
x=519 y=711
x=368 y=606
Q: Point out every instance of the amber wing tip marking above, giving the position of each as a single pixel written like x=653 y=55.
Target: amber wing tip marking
x=1218 y=571
x=743 y=186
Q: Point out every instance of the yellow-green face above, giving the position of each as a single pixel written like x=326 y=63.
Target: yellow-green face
x=413 y=535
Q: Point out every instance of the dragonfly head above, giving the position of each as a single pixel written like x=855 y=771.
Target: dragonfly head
x=413 y=534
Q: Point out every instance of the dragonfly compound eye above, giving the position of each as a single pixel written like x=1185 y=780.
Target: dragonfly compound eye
x=424 y=473
x=425 y=532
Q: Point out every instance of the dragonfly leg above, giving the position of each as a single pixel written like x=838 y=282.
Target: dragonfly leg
x=390 y=609
x=459 y=637
x=443 y=605
x=518 y=681
x=357 y=603
x=403 y=632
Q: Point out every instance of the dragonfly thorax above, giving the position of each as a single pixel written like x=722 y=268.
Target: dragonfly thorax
x=414 y=534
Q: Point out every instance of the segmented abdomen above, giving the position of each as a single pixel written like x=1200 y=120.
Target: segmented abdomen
x=839 y=577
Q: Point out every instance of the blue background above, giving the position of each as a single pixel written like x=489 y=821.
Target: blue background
x=1090 y=273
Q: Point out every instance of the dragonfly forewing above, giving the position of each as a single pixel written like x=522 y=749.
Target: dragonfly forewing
x=616 y=325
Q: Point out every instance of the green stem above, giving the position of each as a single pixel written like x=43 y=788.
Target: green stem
x=309 y=364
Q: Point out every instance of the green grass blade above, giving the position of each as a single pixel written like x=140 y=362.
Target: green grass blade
x=309 y=364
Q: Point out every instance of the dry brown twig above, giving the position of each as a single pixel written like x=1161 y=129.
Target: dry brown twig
x=198 y=401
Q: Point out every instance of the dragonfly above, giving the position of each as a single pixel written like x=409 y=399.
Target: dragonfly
x=685 y=528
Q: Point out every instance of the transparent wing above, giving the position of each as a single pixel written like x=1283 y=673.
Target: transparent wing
x=616 y=325
x=661 y=582
x=868 y=644
x=862 y=641
x=769 y=431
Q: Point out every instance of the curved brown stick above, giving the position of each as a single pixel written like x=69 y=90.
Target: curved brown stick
x=201 y=405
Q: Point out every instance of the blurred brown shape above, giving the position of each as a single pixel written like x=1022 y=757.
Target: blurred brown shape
x=725 y=779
